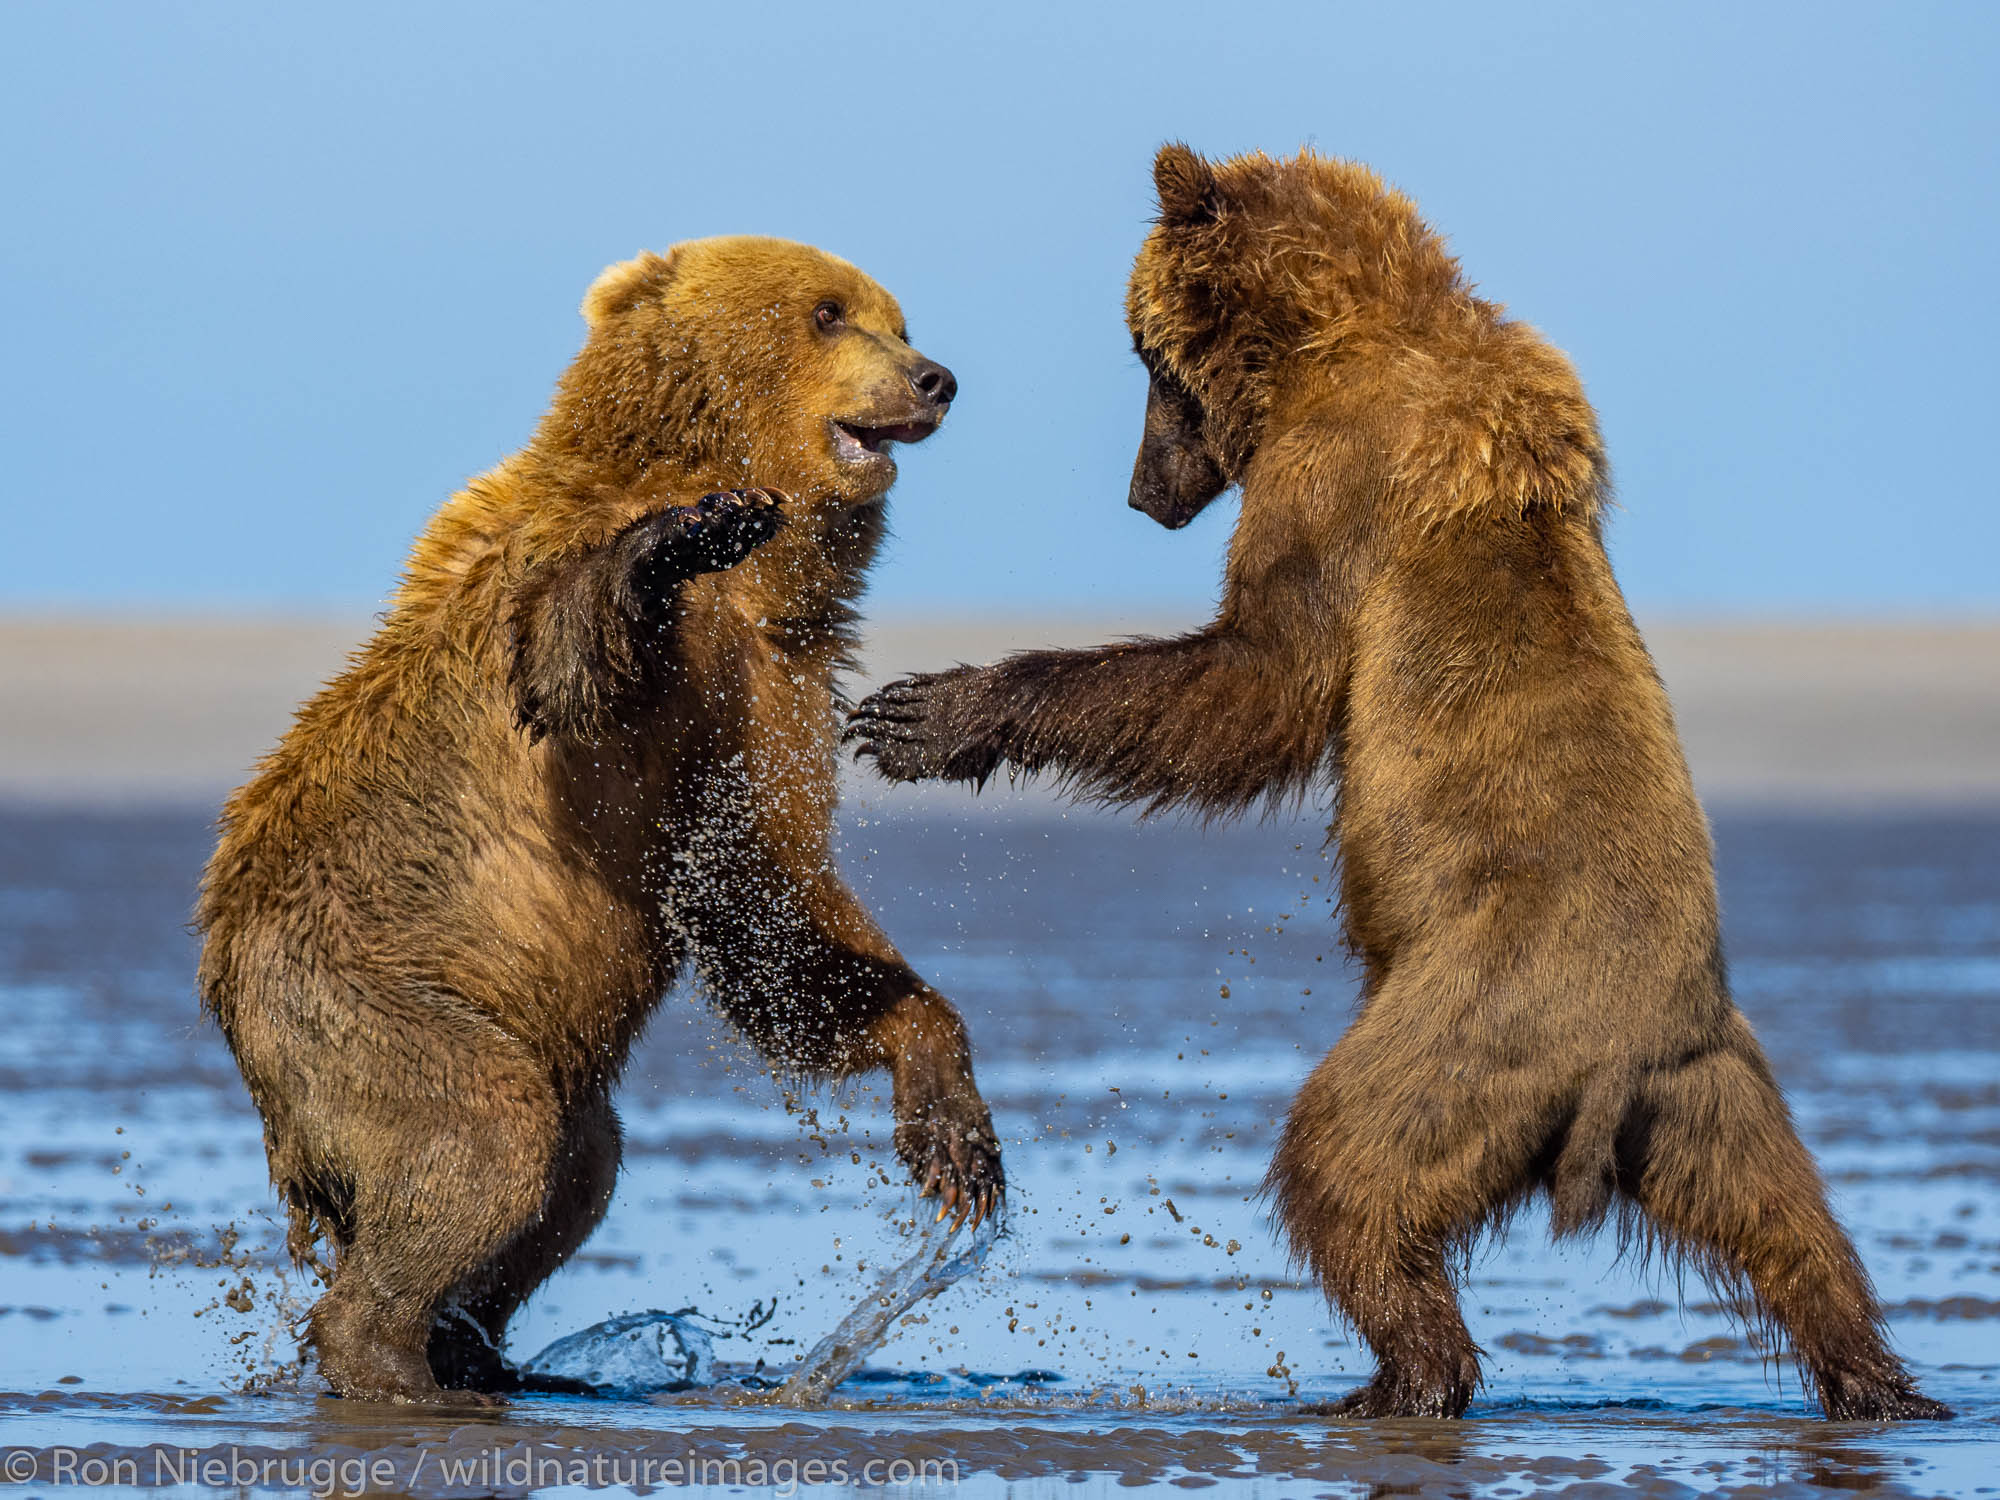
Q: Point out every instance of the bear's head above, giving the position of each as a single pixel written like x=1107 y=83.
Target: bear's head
x=1248 y=267
x=1266 y=280
x=749 y=361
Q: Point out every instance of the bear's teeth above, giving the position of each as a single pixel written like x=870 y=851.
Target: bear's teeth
x=849 y=442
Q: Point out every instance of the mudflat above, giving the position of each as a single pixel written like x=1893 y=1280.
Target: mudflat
x=1145 y=1000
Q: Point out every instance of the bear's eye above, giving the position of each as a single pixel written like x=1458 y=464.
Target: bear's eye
x=829 y=316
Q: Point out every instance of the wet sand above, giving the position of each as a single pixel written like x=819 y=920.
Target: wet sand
x=1138 y=1323
x=1829 y=716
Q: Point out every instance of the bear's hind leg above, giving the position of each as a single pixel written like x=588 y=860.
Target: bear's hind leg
x=444 y=1178
x=1399 y=1294
x=1376 y=1213
x=1715 y=1163
x=467 y=1339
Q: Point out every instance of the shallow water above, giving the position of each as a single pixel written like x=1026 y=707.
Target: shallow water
x=1137 y=1321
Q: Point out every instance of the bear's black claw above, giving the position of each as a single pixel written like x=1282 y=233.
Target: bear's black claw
x=926 y=727
x=895 y=727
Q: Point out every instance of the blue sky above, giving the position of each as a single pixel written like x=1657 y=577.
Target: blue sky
x=275 y=279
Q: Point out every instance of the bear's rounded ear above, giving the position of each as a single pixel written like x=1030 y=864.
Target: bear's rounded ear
x=622 y=286
x=1185 y=184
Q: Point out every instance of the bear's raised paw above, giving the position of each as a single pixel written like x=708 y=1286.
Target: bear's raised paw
x=710 y=536
x=916 y=729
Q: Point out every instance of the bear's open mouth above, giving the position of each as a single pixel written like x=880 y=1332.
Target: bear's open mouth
x=857 y=442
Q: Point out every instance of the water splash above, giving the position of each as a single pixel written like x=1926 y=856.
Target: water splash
x=637 y=1354
x=934 y=1267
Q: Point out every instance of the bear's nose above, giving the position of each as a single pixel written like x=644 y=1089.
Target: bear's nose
x=934 y=383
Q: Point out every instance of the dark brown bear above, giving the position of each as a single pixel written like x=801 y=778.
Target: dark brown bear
x=592 y=743
x=1418 y=601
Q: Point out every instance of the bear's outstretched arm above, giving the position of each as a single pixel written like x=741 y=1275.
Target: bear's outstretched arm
x=805 y=973
x=588 y=622
x=1211 y=720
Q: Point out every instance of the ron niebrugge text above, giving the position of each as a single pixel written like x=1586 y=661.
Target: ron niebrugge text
x=519 y=1467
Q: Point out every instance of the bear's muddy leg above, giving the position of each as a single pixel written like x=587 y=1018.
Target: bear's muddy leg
x=441 y=1188
x=1717 y=1165
x=1375 y=1217
x=468 y=1337
x=1401 y=1299
x=1395 y=1286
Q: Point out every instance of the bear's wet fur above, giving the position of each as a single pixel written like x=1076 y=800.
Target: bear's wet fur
x=591 y=746
x=1418 y=609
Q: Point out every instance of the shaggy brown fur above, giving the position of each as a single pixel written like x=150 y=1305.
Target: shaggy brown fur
x=1418 y=597
x=592 y=742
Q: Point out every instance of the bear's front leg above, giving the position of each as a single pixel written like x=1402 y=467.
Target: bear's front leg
x=944 y=1133
x=587 y=622
x=834 y=999
x=1212 y=720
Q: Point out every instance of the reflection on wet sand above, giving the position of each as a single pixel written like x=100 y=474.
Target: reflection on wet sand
x=1644 y=1453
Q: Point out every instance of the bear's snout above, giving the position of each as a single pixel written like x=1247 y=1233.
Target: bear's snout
x=932 y=382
